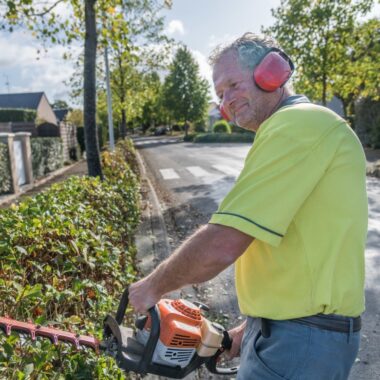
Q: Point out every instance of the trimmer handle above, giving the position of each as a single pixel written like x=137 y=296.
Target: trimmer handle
x=211 y=365
x=137 y=363
x=123 y=304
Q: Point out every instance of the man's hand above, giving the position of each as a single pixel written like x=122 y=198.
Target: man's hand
x=142 y=295
x=236 y=334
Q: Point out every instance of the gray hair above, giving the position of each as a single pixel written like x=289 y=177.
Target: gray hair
x=249 y=49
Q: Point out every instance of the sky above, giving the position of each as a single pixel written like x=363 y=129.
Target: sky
x=199 y=24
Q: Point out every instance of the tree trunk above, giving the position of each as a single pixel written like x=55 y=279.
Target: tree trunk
x=89 y=87
x=123 y=127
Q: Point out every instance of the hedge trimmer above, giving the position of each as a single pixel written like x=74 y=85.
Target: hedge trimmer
x=173 y=340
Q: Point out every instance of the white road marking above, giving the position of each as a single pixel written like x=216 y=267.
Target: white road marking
x=169 y=174
x=197 y=171
x=227 y=170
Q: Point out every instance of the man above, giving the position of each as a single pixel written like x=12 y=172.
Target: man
x=295 y=224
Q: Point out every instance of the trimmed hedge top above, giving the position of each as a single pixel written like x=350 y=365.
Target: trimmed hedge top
x=17 y=115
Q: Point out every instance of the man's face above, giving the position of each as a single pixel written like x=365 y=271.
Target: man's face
x=243 y=101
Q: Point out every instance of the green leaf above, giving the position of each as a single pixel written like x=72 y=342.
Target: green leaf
x=74 y=320
x=28 y=369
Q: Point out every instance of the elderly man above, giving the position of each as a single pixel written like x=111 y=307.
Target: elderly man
x=294 y=224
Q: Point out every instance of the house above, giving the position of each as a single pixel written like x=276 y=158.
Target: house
x=213 y=114
x=48 y=123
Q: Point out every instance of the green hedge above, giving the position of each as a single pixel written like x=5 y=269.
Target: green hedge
x=225 y=138
x=47 y=155
x=367 y=122
x=5 y=172
x=66 y=256
x=17 y=115
x=221 y=126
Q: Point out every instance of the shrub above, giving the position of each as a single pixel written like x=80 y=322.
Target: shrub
x=221 y=126
x=66 y=256
x=17 y=115
x=177 y=128
x=367 y=122
x=200 y=126
x=225 y=138
x=47 y=155
x=127 y=150
x=189 y=137
x=5 y=172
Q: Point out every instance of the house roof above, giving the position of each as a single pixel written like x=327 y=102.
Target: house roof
x=28 y=100
x=61 y=113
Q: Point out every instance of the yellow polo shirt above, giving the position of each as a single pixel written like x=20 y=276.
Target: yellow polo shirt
x=302 y=196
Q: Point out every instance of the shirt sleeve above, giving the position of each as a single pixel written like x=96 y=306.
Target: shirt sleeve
x=280 y=172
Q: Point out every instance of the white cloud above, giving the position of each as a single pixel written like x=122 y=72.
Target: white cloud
x=205 y=70
x=217 y=40
x=26 y=70
x=175 y=26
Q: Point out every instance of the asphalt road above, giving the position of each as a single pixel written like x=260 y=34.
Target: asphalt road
x=192 y=179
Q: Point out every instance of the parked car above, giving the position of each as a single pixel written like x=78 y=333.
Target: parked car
x=160 y=131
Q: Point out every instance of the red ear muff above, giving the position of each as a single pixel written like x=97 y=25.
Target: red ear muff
x=223 y=113
x=273 y=71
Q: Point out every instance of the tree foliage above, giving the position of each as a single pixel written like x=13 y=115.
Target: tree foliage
x=327 y=44
x=185 y=93
x=85 y=21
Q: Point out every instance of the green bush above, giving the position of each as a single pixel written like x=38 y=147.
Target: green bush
x=127 y=150
x=367 y=122
x=47 y=155
x=17 y=115
x=200 y=126
x=189 y=137
x=225 y=138
x=221 y=126
x=66 y=256
x=177 y=128
x=5 y=172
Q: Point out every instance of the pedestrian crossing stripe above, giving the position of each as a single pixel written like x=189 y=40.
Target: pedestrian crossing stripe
x=169 y=174
x=197 y=171
x=228 y=170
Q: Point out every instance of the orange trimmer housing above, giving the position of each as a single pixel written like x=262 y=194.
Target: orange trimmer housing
x=181 y=323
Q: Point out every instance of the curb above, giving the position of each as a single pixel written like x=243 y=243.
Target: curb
x=11 y=197
x=151 y=237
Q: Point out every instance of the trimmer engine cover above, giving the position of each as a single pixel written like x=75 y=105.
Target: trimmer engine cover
x=174 y=340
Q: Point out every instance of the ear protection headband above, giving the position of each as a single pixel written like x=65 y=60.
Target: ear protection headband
x=271 y=73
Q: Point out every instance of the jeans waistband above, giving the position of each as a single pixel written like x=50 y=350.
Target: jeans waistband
x=332 y=322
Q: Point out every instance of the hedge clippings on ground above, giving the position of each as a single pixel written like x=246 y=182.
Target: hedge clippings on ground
x=66 y=256
x=47 y=155
x=5 y=172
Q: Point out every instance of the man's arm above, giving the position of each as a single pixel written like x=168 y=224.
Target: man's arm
x=205 y=254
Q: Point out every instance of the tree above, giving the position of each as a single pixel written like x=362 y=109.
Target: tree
x=358 y=76
x=43 y=20
x=317 y=35
x=131 y=56
x=185 y=93
x=59 y=104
